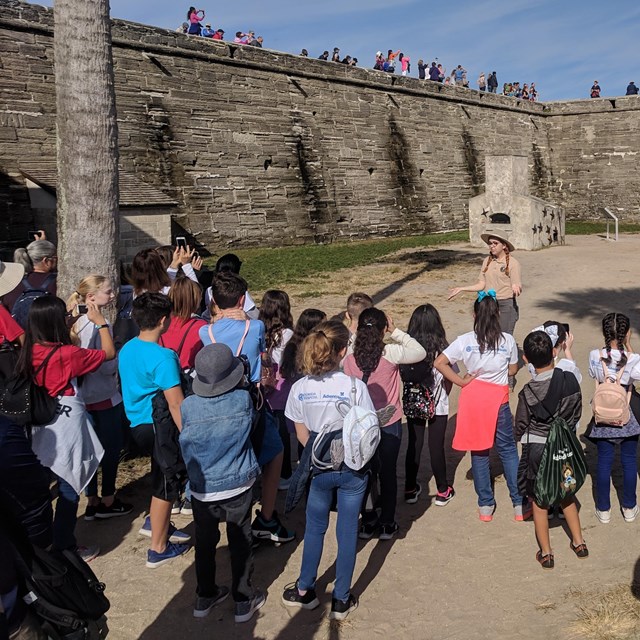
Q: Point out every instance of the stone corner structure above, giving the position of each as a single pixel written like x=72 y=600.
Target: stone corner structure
x=507 y=209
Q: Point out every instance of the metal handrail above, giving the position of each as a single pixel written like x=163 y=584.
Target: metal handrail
x=615 y=220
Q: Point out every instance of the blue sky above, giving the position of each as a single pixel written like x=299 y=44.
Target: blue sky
x=561 y=45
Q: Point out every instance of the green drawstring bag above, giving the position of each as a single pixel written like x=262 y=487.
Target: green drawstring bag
x=563 y=467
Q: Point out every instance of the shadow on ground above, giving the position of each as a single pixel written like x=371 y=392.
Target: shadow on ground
x=429 y=261
x=594 y=304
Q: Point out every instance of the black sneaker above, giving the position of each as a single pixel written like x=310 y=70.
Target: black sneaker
x=411 y=496
x=341 y=609
x=443 y=499
x=116 y=509
x=90 y=512
x=368 y=528
x=272 y=529
x=244 y=610
x=175 y=507
x=387 y=531
x=291 y=597
x=185 y=508
x=204 y=605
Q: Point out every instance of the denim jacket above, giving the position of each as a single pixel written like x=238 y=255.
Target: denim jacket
x=215 y=441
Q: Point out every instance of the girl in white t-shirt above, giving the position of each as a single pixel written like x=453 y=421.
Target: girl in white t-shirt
x=484 y=417
x=426 y=327
x=312 y=405
x=616 y=354
x=275 y=313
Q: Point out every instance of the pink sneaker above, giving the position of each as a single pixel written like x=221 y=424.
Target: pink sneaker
x=522 y=512
x=486 y=513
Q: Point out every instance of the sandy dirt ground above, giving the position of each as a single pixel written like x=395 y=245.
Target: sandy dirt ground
x=447 y=575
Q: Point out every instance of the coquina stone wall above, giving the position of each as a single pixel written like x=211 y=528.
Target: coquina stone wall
x=266 y=148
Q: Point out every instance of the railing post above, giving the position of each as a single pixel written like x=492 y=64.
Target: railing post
x=615 y=219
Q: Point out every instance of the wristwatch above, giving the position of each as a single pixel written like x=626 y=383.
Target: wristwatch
x=102 y=326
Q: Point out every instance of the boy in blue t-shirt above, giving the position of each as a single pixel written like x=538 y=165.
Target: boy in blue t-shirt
x=246 y=337
x=146 y=368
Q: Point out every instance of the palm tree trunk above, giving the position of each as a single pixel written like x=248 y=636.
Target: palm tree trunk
x=87 y=143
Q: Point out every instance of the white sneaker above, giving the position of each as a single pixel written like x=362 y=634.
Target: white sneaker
x=630 y=515
x=604 y=516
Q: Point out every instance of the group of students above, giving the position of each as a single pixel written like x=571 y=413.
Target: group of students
x=526 y=91
x=214 y=398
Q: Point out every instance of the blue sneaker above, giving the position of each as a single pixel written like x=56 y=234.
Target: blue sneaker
x=175 y=535
x=156 y=559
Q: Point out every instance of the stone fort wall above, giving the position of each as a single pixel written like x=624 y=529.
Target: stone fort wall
x=265 y=148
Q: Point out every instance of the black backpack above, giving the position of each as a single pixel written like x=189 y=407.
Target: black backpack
x=21 y=400
x=20 y=309
x=63 y=592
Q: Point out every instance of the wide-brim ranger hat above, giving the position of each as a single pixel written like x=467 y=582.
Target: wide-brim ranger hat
x=485 y=238
x=217 y=371
x=11 y=274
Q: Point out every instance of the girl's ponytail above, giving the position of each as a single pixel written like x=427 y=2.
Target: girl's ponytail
x=486 y=324
x=615 y=327
x=369 y=343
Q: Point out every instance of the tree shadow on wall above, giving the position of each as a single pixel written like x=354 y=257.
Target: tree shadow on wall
x=433 y=260
x=594 y=304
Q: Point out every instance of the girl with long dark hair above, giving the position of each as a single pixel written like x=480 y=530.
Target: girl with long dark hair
x=275 y=313
x=616 y=359
x=148 y=273
x=289 y=365
x=426 y=327
x=49 y=358
x=377 y=364
x=484 y=418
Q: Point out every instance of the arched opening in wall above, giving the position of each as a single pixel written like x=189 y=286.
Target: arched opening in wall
x=421 y=172
x=267 y=163
x=500 y=218
x=370 y=170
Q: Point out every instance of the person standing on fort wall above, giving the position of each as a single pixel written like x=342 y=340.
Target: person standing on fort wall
x=501 y=273
x=493 y=82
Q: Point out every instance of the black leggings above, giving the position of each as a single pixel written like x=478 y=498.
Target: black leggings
x=437 y=430
x=285 y=436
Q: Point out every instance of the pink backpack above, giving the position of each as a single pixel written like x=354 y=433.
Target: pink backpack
x=610 y=402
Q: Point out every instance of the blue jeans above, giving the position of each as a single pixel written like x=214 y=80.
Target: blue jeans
x=107 y=423
x=629 y=462
x=351 y=487
x=506 y=447
x=64 y=521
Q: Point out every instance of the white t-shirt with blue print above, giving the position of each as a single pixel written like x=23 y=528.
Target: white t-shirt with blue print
x=490 y=366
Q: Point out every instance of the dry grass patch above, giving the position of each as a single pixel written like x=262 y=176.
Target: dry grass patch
x=608 y=615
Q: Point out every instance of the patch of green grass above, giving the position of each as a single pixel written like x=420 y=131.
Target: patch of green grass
x=277 y=268
x=589 y=227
